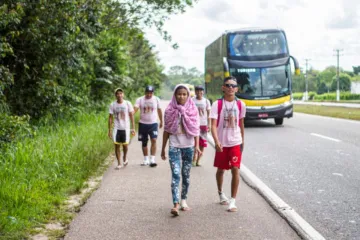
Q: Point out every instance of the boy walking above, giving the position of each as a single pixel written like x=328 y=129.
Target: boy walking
x=150 y=110
x=123 y=113
x=204 y=107
x=227 y=127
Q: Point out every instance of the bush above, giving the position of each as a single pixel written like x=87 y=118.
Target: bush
x=13 y=128
x=297 y=96
x=312 y=95
x=332 y=96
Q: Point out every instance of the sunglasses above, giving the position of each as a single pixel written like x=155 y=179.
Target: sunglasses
x=229 y=85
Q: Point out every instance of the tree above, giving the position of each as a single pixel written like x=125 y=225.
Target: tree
x=356 y=70
x=344 y=82
x=56 y=56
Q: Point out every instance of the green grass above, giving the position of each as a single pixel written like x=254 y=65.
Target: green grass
x=334 y=101
x=337 y=112
x=38 y=174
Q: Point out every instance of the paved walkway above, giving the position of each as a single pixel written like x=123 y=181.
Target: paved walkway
x=331 y=104
x=135 y=203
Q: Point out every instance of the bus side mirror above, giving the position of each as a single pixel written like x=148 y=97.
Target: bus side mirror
x=297 y=67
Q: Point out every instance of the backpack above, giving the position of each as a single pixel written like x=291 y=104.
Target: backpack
x=220 y=104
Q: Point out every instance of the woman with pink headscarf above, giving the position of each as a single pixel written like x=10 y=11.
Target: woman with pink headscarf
x=182 y=130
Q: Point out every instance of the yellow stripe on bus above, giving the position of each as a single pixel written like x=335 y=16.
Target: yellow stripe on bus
x=266 y=102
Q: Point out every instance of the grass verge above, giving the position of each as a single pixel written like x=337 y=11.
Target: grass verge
x=37 y=175
x=337 y=112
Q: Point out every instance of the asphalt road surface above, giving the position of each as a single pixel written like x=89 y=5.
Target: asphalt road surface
x=313 y=164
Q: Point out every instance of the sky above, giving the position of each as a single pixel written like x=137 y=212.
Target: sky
x=314 y=28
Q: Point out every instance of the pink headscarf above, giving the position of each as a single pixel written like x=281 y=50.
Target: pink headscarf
x=188 y=113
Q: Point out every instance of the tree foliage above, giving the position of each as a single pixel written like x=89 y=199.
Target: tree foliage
x=58 y=56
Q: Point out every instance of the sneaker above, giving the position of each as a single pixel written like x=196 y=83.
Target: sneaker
x=153 y=163
x=145 y=163
x=232 y=207
x=223 y=199
x=126 y=162
x=118 y=167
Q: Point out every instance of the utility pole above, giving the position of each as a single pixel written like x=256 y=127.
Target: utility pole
x=337 y=74
x=306 y=79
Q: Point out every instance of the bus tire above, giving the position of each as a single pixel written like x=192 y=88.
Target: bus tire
x=279 y=121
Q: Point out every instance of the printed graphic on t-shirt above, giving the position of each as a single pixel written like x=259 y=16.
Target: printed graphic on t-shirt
x=148 y=108
x=120 y=113
x=201 y=109
x=230 y=118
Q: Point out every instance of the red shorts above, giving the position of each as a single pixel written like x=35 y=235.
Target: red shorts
x=203 y=134
x=202 y=142
x=230 y=157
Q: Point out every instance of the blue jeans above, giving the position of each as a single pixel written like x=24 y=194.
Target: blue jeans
x=176 y=156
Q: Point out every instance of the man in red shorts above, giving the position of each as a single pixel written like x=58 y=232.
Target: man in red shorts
x=227 y=128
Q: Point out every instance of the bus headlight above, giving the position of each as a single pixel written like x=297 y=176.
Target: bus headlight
x=287 y=103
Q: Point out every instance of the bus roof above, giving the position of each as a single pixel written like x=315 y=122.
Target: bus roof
x=254 y=29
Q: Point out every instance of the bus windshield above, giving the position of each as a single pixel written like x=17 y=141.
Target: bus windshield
x=257 y=44
x=262 y=82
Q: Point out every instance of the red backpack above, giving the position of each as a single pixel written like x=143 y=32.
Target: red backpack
x=220 y=104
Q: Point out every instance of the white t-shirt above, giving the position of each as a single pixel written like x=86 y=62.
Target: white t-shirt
x=148 y=109
x=180 y=139
x=203 y=105
x=228 y=130
x=121 y=114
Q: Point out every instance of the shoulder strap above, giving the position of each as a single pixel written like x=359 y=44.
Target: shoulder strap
x=239 y=107
x=220 y=103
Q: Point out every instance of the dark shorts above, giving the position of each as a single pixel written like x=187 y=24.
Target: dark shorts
x=230 y=157
x=121 y=136
x=146 y=130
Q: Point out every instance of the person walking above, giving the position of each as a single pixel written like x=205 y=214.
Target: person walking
x=227 y=128
x=121 y=113
x=204 y=107
x=150 y=111
x=181 y=128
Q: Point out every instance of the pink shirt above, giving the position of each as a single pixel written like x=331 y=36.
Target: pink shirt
x=148 y=109
x=228 y=130
x=203 y=105
x=180 y=139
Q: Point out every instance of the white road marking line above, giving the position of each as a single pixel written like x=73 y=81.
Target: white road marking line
x=303 y=228
x=325 y=137
x=337 y=174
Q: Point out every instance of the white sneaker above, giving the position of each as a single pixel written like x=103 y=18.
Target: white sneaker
x=153 y=163
x=223 y=199
x=232 y=207
x=145 y=163
x=118 y=167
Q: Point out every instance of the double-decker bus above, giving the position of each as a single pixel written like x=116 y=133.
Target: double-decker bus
x=260 y=61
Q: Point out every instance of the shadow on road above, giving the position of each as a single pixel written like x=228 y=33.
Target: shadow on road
x=261 y=124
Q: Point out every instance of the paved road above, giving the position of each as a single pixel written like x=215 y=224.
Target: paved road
x=331 y=104
x=313 y=164
x=135 y=203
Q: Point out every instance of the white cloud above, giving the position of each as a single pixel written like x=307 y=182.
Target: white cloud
x=314 y=29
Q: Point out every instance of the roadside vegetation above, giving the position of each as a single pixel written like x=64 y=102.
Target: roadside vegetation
x=320 y=82
x=337 y=112
x=60 y=62
x=329 y=97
